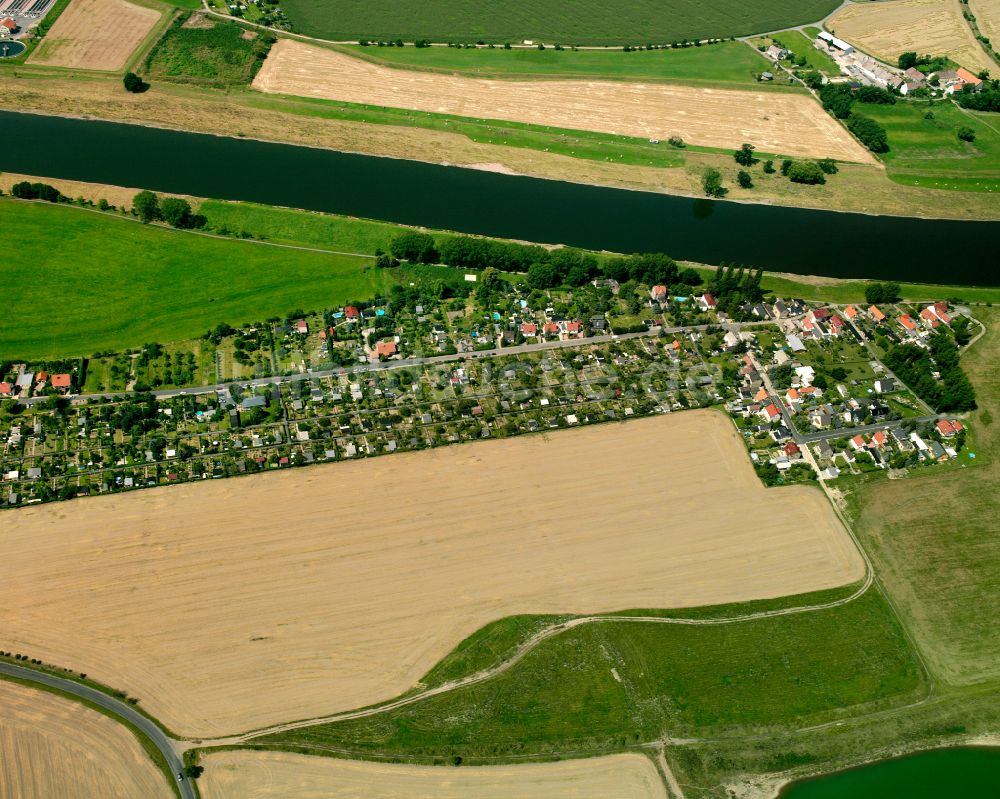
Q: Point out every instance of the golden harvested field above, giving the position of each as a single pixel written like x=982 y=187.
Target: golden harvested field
x=889 y=28
x=54 y=747
x=95 y=34
x=987 y=14
x=281 y=775
x=789 y=124
x=240 y=603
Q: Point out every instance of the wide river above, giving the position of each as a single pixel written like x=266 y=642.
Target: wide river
x=472 y=201
x=962 y=773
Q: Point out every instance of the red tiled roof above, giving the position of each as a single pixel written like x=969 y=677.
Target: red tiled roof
x=61 y=381
x=876 y=313
x=572 y=327
x=6 y=388
x=351 y=312
x=529 y=328
x=906 y=322
x=708 y=299
x=385 y=348
x=850 y=311
x=967 y=77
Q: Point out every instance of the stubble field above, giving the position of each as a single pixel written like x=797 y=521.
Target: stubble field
x=55 y=747
x=240 y=603
x=281 y=775
x=988 y=16
x=789 y=124
x=95 y=34
x=924 y=26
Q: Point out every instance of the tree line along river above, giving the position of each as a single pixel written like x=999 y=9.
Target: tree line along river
x=472 y=201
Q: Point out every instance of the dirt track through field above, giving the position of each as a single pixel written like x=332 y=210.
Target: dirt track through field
x=281 y=775
x=241 y=603
x=54 y=747
x=95 y=34
x=789 y=124
x=889 y=28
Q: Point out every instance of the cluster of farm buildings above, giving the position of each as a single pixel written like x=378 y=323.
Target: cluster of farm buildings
x=867 y=71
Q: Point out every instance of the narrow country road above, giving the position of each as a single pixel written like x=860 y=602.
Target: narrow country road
x=121 y=711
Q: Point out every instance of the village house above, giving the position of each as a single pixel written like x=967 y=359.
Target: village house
x=63 y=382
x=385 y=349
x=6 y=389
x=907 y=324
x=658 y=293
x=876 y=315
x=885 y=385
x=821 y=417
x=850 y=312
x=948 y=428
x=706 y=302
x=858 y=443
x=769 y=413
x=879 y=440
x=529 y=329
x=302 y=327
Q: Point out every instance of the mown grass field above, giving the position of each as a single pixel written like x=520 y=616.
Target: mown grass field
x=217 y=55
x=606 y=687
x=565 y=21
x=726 y=63
x=927 y=151
x=936 y=537
x=86 y=282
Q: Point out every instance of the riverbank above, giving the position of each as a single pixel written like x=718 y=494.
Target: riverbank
x=421 y=194
x=247 y=114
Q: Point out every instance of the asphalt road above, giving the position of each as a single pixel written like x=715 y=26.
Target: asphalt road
x=118 y=709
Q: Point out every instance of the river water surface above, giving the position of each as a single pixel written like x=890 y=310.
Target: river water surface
x=471 y=201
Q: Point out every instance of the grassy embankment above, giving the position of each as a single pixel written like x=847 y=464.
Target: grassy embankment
x=187 y=283
x=608 y=687
x=586 y=22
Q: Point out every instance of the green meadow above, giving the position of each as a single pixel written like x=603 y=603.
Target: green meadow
x=611 y=686
x=717 y=64
x=84 y=282
x=924 y=148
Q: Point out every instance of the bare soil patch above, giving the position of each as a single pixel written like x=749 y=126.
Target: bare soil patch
x=790 y=124
x=889 y=28
x=95 y=34
x=54 y=747
x=281 y=775
x=239 y=603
